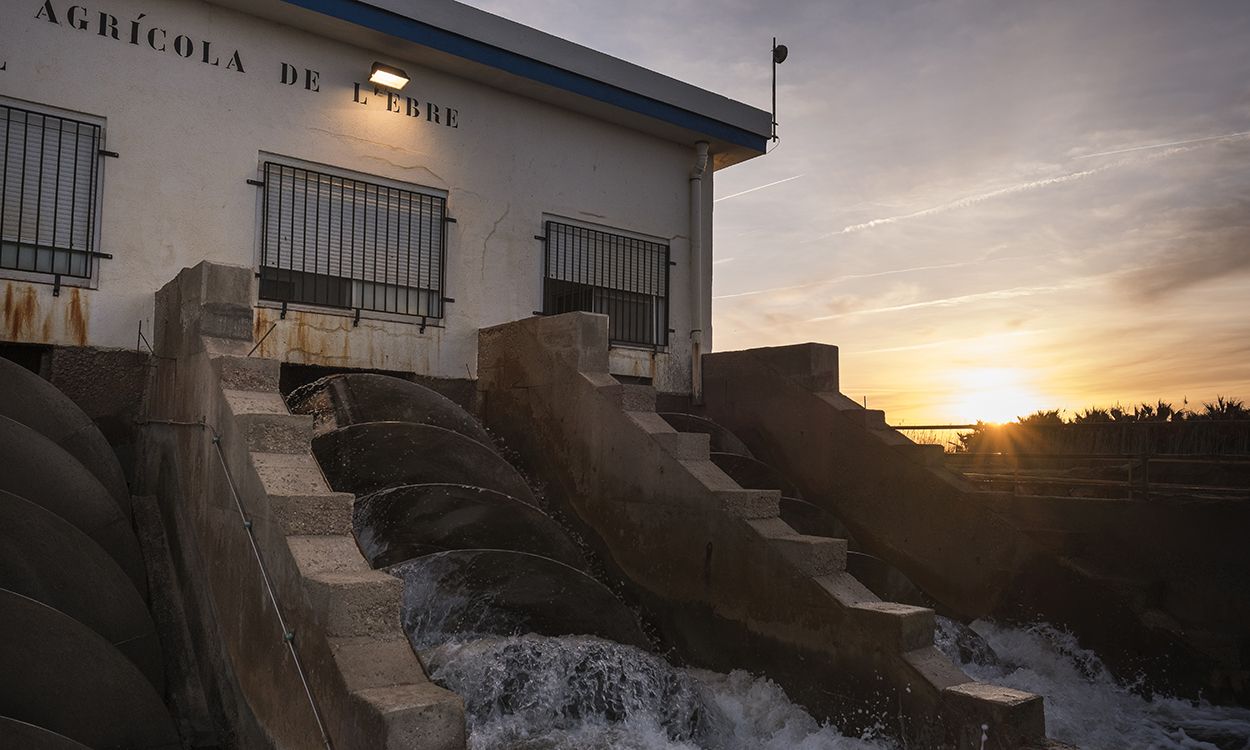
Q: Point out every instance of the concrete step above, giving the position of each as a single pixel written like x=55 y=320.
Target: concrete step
x=637 y=397
x=290 y=474
x=313 y=515
x=812 y=556
x=901 y=627
x=247 y=373
x=1016 y=717
x=685 y=445
x=924 y=454
x=350 y=599
x=749 y=504
x=869 y=419
x=267 y=426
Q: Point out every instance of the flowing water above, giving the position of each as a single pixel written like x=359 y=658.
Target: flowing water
x=1085 y=705
x=532 y=692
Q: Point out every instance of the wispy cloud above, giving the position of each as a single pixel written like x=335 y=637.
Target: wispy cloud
x=719 y=261
x=1131 y=149
x=997 y=294
x=967 y=201
x=854 y=276
x=950 y=342
x=760 y=187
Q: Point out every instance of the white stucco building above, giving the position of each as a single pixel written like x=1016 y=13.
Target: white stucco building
x=515 y=173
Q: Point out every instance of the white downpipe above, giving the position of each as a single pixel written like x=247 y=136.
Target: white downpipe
x=697 y=251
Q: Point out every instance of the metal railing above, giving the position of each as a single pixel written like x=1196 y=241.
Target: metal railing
x=626 y=278
x=48 y=193
x=340 y=242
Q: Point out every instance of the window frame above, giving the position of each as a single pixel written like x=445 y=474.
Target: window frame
x=337 y=172
x=96 y=253
x=663 y=331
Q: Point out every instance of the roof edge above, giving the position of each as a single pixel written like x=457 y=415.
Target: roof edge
x=394 y=24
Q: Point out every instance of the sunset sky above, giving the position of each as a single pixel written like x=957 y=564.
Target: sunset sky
x=990 y=207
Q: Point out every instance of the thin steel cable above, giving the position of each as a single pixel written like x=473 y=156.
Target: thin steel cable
x=288 y=635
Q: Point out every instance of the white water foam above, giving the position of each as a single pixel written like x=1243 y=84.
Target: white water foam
x=1085 y=705
x=582 y=693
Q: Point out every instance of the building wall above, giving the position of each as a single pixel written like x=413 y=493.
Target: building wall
x=190 y=133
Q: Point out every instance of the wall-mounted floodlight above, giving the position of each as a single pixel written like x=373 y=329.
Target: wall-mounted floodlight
x=388 y=76
x=780 y=53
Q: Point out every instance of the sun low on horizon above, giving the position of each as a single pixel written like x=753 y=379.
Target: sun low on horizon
x=993 y=394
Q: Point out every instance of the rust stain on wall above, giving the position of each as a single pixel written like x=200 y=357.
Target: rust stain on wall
x=21 y=309
x=75 y=319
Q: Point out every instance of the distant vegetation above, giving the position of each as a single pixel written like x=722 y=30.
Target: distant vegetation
x=1160 y=426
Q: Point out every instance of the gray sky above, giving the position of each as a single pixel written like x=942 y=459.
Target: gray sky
x=991 y=207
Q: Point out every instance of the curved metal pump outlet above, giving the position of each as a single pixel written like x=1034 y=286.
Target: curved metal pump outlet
x=440 y=508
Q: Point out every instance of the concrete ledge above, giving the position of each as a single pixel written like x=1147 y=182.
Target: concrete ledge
x=313 y=515
x=417 y=716
x=902 y=626
x=290 y=474
x=847 y=589
x=686 y=446
x=933 y=666
x=748 y=504
x=375 y=662
x=351 y=598
x=992 y=717
x=248 y=373
x=812 y=556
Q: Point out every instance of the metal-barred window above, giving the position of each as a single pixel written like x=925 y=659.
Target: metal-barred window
x=341 y=242
x=48 y=193
x=624 y=277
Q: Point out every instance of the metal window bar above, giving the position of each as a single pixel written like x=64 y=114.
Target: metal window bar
x=623 y=277
x=49 y=180
x=334 y=241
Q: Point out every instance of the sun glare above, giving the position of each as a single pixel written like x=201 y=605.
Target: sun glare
x=993 y=394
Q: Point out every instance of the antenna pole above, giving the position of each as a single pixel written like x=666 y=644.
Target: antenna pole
x=774 y=88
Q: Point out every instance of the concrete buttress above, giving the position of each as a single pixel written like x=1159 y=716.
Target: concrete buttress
x=343 y=617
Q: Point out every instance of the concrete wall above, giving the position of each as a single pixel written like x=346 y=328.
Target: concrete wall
x=731 y=584
x=191 y=133
x=344 y=618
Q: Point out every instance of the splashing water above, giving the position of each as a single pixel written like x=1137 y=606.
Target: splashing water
x=1085 y=705
x=532 y=692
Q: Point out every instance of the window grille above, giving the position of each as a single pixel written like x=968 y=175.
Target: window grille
x=48 y=193
x=335 y=241
x=624 y=277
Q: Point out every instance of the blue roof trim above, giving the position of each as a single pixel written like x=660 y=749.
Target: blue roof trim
x=426 y=35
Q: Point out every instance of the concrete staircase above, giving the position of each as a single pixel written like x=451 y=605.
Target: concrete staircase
x=732 y=585
x=361 y=685
x=976 y=553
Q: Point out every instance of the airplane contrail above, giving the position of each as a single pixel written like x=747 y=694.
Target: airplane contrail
x=873 y=275
x=1165 y=145
x=965 y=202
x=1178 y=146
x=761 y=187
x=997 y=294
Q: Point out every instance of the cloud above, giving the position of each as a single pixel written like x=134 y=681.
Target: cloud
x=1165 y=145
x=1209 y=244
x=761 y=187
x=968 y=201
x=854 y=276
x=997 y=294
